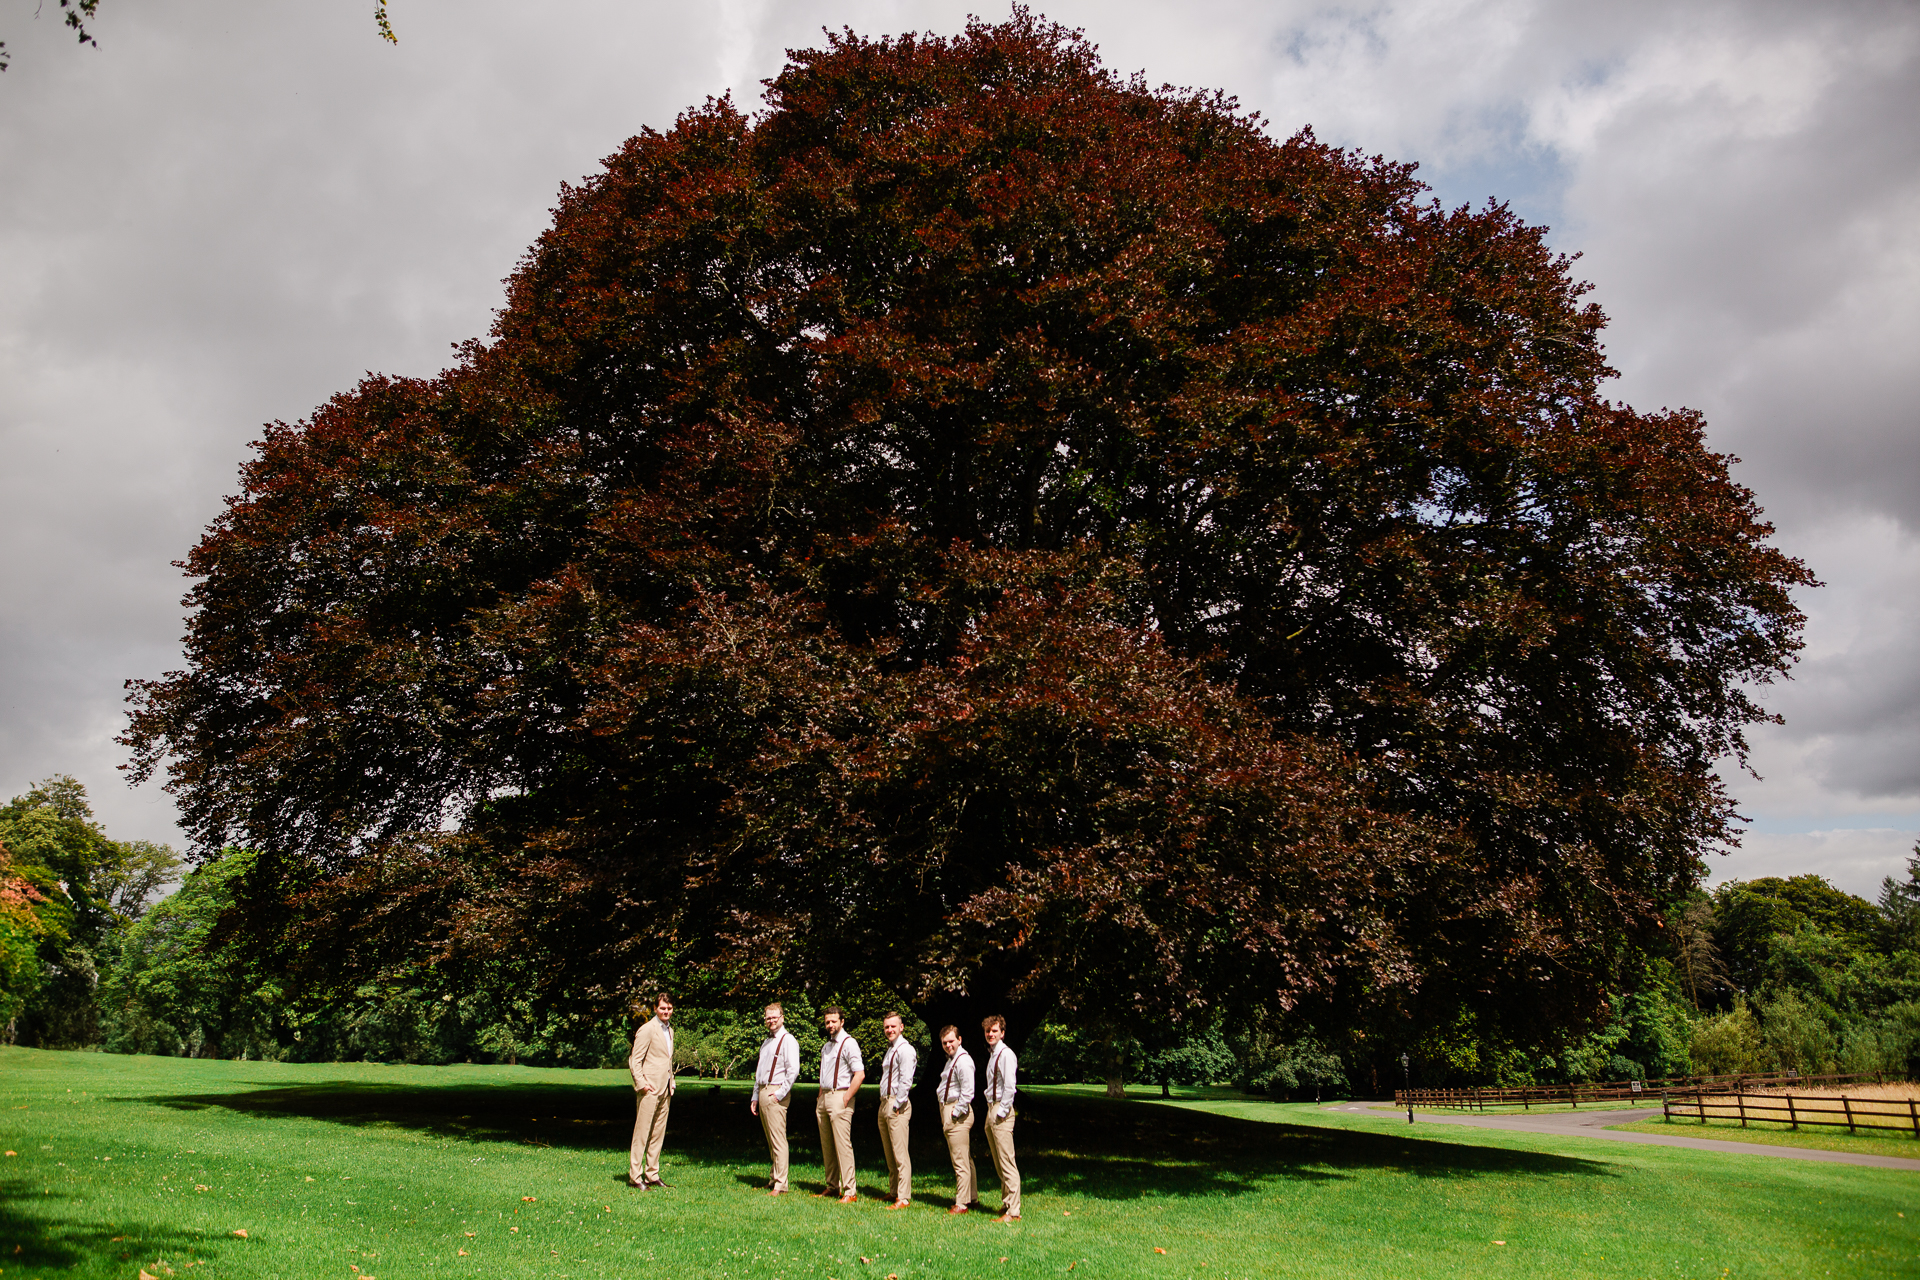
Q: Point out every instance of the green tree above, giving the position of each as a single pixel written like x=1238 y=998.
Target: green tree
x=1797 y=1034
x=1749 y=915
x=1728 y=1043
x=22 y=928
x=175 y=989
x=1900 y=908
x=92 y=888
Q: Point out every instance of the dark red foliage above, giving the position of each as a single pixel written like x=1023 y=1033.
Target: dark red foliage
x=986 y=525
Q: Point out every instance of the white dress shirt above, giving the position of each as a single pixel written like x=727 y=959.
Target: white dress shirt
x=956 y=1081
x=840 y=1061
x=896 y=1070
x=999 y=1090
x=779 y=1064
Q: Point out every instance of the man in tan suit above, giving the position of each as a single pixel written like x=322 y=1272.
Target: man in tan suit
x=651 y=1063
x=955 y=1094
x=996 y=1096
x=773 y=1078
x=896 y=1109
x=841 y=1073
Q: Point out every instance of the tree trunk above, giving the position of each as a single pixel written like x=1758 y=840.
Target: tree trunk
x=1116 y=1087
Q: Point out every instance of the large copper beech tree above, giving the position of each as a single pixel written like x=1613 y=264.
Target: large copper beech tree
x=988 y=528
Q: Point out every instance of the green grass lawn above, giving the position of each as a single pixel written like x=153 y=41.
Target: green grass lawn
x=127 y=1163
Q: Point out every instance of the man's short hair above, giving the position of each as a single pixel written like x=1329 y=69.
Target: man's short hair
x=949 y=1030
x=773 y=1005
x=993 y=1020
x=891 y=1016
x=833 y=1009
x=663 y=998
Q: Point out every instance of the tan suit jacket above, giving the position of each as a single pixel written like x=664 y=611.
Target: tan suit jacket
x=652 y=1058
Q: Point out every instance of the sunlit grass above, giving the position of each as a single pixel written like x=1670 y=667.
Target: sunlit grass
x=124 y=1163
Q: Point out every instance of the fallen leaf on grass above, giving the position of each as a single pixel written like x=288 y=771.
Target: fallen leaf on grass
x=144 y=1274
x=1158 y=1249
x=241 y=1232
x=13 y=1153
x=527 y=1199
x=463 y=1253
x=309 y=1178
x=866 y=1259
x=469 y=1235
x=515 y=1230
x=1499 y=1241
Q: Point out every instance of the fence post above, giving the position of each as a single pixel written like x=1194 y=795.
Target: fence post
x=1666 y=1112
x=1700 y=1104
x=1792 y=1118
x=1847 y=1106
x=1913 y=1110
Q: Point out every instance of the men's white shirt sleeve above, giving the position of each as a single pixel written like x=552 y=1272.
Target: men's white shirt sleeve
x=787 y=1069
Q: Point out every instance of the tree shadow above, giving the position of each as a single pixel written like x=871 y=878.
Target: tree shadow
x=1087 y=1146
x=44 y=1240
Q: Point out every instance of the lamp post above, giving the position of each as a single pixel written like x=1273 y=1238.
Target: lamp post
x=1406 y=1072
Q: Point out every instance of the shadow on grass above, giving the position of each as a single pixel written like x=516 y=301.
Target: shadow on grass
x=41 y=1234
x=1109 y=1150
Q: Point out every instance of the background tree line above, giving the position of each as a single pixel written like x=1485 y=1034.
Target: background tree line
x=1761 y=975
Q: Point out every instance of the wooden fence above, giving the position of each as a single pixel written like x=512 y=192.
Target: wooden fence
x=1891 y=1114
x=1641 y=1091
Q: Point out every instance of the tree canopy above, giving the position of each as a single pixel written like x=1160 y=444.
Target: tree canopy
x=987 y=526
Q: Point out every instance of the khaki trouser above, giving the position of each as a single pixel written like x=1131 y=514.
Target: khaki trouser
x=649 y=1131
x=893 y=1143
x=836 y=1140
x=773 y=1119
x=1000 y=1143
x=959 y=1136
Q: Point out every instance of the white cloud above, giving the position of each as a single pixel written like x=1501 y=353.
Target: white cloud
x=1855 y=860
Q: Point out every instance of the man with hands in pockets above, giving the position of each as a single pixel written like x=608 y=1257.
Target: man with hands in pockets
x=896 y=1109
x=955 y=1093
x=997 y=1095
x=773 y=1080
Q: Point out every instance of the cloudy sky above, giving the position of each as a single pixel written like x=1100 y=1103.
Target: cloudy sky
x=227 y=212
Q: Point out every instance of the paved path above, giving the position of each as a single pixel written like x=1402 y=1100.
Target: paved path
x=1592 y=1124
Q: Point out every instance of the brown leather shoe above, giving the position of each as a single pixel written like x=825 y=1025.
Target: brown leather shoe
x=897 y=1204
x=959 y=1208
x=1008 y=1217
x=850 y=1198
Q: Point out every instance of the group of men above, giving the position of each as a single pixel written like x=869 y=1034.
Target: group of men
x=842 y=1073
